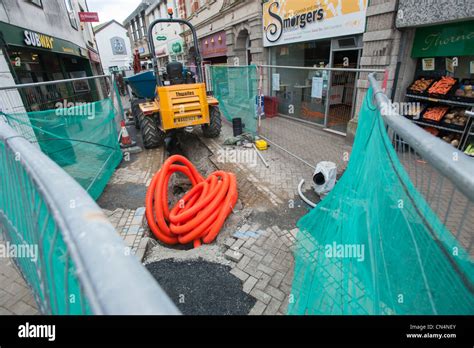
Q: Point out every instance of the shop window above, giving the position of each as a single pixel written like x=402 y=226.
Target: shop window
x=38 y=3
x=71 y=14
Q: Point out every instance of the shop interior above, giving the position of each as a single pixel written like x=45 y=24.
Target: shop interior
x=31 y=66
x=295 y=95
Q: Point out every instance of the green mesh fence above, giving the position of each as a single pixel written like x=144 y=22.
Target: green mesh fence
x=236 y=88
x=374 y=245
x=41 y=253
x=83 y=140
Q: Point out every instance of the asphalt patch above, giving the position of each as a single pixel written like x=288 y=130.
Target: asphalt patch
x=199 y=287
x=123 y=196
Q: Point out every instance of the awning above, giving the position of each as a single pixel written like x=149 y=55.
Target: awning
x=446 y=40
x=17 y=36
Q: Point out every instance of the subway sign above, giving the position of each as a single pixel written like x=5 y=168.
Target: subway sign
x=38 y=40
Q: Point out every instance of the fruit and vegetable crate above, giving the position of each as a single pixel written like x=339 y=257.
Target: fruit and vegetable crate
x=434 y=114
x=420 y=86
x=441 y=88
x=464 y=91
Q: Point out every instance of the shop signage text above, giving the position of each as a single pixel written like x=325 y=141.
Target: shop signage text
x=275 y=30
x=89 y=17
x=447 y=40
x=38 y=40
x=287 y=22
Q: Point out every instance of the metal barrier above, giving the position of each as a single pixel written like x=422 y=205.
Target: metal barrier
x=72 y=258
x=48 y=95
x=439 y=171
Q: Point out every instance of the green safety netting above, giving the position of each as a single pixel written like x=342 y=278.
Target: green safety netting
x=236 y=88
x=26 y=222
x=83 y=140
x=374 y=245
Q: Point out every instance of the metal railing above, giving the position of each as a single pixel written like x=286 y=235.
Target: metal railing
x=82 y=265
x=442 y=173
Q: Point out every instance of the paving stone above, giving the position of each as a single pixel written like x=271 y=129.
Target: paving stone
x=249 y=284
x=229 y=241
x=243 y=262
x=258 y=250
x=272 y=307
x=267 y=259
x=258 y=308
x=265 y=269
x=261 y=296
x=239 y=274
x=274 y=292
x=238 y=243
x=263 y=281
x=276 y=279
x=232 y=255
x=21 y=308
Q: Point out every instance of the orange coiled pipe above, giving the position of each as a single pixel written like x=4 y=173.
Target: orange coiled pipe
x=200 y=214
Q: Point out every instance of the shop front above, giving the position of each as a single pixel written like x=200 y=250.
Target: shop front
x=214 y=48
x=439 y=86
x=36 y=57
x=306 y=34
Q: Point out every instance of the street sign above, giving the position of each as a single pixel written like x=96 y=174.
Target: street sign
x=88 y=16
x=161 y=38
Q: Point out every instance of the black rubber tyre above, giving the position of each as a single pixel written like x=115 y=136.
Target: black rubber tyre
x=136 y=112
x=213 y=129
x=152 y=136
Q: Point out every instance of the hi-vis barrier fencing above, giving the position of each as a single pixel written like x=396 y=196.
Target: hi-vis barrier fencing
x=395 y=235
x=58 y=149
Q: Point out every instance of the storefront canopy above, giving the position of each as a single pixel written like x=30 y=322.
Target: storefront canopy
x=447 y=40
x=17 y=36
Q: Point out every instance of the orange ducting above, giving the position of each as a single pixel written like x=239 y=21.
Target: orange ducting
x=200 y=214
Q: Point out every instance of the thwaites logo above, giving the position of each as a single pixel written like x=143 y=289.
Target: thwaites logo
x=38 y=40
x=185 y=94
x=275 y=30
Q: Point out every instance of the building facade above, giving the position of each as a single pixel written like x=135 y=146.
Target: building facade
x=411 y=44
x=114 y=46
x=56 y=45
x=229 y=31
x=168 y=40
x=137 y=28
x=305 y=34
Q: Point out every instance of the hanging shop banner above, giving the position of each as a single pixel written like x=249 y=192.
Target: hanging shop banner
x=447 y=40
x=89 y=17
x=287 y=22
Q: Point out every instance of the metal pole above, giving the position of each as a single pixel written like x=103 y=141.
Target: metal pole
x=46 y=83
x=329 y=69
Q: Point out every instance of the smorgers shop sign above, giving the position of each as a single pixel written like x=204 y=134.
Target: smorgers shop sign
x=306 y=20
